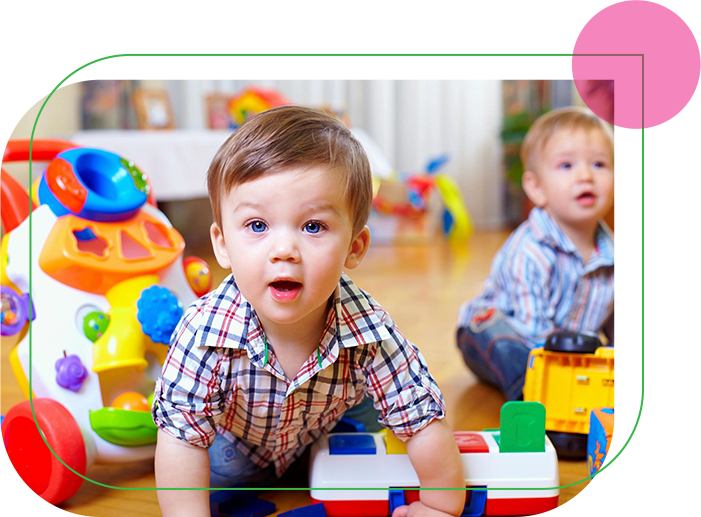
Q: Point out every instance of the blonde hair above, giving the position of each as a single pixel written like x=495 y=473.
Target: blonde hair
x=547 y=125
x=292 y=136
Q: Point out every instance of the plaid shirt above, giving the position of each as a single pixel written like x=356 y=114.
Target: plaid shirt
x=215 y=380
x=540 y=281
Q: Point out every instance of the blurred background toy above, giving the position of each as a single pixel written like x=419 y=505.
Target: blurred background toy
x=418 y=202
x=102 y=281
x=252 y=101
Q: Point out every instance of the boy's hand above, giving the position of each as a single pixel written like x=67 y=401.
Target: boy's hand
x=418 y=509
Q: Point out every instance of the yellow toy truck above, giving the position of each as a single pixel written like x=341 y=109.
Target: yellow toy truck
x=571 y=375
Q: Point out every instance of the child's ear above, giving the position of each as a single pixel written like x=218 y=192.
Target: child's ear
x=531 y=186
x=219 y=246
x=358 y=248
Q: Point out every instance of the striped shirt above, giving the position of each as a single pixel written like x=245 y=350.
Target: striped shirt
x=539 y=280
x=215 y=378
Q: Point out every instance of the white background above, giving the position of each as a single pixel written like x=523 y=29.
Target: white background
x=656 y=473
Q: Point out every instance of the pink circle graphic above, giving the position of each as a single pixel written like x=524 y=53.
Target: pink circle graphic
x=671 y=64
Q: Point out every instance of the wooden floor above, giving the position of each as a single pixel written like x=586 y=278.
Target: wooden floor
x=422 y=287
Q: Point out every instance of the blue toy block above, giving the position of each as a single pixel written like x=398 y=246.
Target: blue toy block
x=313 y=510
x=396 y=499
x=352 y=444
x=239 y=503
x=476 y=504
x=348 y=425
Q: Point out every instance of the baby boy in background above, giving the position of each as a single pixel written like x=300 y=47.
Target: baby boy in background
x=555 y=271
x=270 y=360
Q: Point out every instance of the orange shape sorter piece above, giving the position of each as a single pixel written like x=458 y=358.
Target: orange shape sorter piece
x=93 y=256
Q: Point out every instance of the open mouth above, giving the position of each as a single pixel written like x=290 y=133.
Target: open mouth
x=586 y=199
x=285 y=290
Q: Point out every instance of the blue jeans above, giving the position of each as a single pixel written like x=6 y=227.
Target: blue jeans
x=229 y=467
x=496 y=353
x=366 y=414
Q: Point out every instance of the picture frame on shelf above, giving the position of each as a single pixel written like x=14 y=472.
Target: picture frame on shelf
x=218 y=110
x=153 y=109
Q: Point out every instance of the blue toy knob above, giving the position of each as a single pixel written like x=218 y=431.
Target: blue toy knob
x=159 y=311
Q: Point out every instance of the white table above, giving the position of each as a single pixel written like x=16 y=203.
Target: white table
x=177 y=160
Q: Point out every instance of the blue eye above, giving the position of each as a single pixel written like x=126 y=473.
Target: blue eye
x=313 y=227
x=257 y=226
x=565 y=166
x=599 y=165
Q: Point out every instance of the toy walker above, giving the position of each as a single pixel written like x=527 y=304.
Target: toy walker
x=108 y=286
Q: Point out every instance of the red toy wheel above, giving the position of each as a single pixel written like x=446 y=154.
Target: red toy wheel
x=34 y=462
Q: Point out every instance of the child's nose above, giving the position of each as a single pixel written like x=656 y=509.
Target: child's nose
x=585 y=173
x=284 y=248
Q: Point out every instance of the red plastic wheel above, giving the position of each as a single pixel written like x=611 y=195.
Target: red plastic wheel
x=32 y=459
